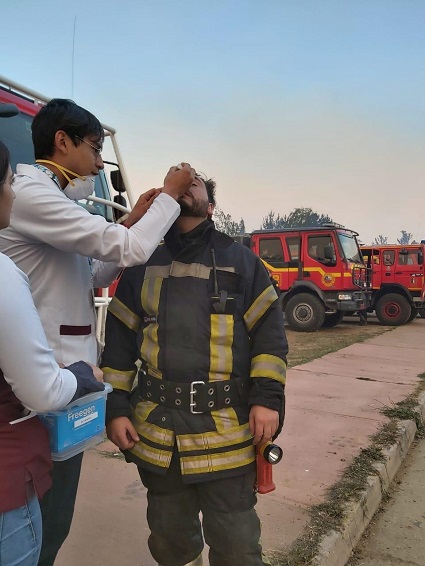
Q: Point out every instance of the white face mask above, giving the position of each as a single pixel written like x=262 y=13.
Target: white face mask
x=79 y=188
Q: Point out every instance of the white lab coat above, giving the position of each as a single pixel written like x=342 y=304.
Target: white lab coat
x=51 y=238
x=27 y=362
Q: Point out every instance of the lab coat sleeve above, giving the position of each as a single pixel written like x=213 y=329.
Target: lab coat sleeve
x=47 y=215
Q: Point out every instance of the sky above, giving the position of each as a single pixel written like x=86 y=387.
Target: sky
x=285 y=103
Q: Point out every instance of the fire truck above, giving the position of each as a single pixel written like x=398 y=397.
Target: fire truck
x=319 y=271
x=398 y=285
x=18 y=106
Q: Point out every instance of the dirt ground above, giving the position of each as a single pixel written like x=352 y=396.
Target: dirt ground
x=307 y=346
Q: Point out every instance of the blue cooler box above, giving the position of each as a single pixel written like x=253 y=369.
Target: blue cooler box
x=78 y=426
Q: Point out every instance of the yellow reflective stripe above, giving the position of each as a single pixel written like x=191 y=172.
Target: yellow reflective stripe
x=217 y=462
x=266 y=365
x=119 y=379
x=151 y=290
x=179 y=269
x=157 y=271
x=154 y=433
x=149 y=298
x=221 y=340
x=143 y=410
x=124 y=314
x=154 y=372
x=214 y=439
x=225 y=419
x=150 y=431
x=259 y=306
x=157 y=457
x=198 y=270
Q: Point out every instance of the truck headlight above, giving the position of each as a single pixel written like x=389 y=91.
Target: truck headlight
x=345 y=297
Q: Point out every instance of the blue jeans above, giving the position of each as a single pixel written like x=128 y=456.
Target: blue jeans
x=20 y=535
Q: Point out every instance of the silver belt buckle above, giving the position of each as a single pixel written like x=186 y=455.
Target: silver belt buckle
x=192 y=393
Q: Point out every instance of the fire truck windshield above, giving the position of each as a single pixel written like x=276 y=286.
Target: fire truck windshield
x=350 y=247
x=16 y=134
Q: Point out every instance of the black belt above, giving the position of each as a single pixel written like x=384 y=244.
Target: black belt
x=196 y=397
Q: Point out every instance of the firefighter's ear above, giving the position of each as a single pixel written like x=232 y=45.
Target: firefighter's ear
x=210 y=210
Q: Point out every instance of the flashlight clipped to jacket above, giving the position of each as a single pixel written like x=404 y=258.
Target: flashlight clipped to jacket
x=268 y=455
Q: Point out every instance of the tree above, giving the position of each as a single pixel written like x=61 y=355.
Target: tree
x=295 y=219
x=272 y=221
x=225 y=223
x=380 y=241
x=305 y=217
x=405 y=238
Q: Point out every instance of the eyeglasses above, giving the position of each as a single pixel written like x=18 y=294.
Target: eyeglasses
x=98 y=150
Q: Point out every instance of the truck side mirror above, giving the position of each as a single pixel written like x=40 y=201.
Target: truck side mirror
x=119 y=199
x=8 y=110
x=117 y=181
x=420 y=258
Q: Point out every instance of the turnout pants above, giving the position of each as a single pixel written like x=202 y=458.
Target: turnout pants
x=57 y=507
x=229 y=521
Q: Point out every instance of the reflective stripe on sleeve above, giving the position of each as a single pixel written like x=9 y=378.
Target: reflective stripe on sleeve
x=124 y=314
x=160 y=458
x=119 y=379
x=266 y=365
x=259 y=307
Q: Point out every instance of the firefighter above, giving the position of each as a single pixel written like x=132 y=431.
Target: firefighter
x=203 y=318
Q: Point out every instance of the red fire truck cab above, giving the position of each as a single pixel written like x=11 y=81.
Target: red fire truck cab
x=398 y=285
x=319 y=271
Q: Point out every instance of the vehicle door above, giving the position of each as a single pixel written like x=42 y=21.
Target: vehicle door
x=270 y=250
x=408 y=270
x=320 y=261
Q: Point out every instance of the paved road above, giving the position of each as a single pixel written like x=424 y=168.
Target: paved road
x=332 y=409
x=397 y=535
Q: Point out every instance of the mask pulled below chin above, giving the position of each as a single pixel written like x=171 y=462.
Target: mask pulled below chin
x=80 y=188
x=77 y=188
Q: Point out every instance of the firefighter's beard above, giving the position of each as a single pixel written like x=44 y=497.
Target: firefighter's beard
x=194 y=209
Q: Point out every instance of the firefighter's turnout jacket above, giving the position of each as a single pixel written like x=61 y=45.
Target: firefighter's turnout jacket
x=204 y=320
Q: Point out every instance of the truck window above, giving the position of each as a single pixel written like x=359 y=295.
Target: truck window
x=271 y=250
x=410 y=258
x=350 y=247
x=388 y=257
x=293 y=245
x=16 y=134
x=316 y=248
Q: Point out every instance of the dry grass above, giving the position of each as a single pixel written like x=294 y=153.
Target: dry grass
x=307 y=346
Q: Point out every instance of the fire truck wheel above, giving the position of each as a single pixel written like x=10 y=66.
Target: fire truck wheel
x=393 y=309
x=305 y=313
x=413 y=314
x=333 y=319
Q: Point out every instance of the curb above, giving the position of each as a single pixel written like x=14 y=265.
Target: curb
x=336 y=547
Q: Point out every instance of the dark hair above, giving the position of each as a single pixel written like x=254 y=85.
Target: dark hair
x=210 y=186
x=4 y=164
x=62 y=114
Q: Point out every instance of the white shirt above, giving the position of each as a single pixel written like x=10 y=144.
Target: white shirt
x=26 y=360
x=51 y=238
